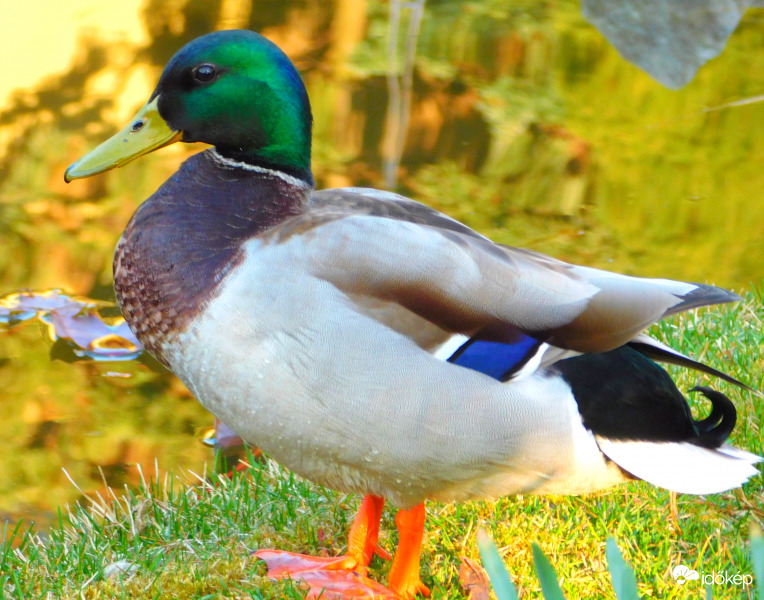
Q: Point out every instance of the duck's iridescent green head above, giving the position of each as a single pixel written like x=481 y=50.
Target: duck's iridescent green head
x=235 y=90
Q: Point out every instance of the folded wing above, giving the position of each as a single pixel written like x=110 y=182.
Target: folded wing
x=397 y=255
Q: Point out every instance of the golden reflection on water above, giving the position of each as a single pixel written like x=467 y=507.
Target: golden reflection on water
x=529 y=128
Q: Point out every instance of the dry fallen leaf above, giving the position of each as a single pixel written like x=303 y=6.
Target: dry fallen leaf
x=474 y=580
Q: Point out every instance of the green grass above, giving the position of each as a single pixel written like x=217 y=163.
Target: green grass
x=621 y=574
x=188 y=539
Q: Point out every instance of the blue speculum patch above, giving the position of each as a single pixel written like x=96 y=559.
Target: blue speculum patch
x=495 y=359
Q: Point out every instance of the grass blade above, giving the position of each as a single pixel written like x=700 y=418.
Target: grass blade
x=547 y=576
x=622 y=575
x=757 y=558
x=494 y=566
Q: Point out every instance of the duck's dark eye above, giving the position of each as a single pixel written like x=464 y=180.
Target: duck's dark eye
x=204 y=73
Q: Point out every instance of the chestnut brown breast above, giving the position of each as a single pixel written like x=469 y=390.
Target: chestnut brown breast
x=183 y=241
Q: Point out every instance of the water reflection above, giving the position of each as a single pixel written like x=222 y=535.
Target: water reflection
x=523 y=122
x=72 y=322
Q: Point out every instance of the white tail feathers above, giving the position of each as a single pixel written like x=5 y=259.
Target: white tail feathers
x=683 y=467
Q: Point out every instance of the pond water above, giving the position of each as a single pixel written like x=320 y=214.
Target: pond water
x=523 y=122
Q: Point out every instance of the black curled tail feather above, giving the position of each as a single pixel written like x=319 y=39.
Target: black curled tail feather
x=714 y=430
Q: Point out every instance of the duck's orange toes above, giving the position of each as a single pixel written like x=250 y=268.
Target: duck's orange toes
x=338 y=577
x=353 y=587
x=281 y=563
x=332 y=578
x=344 y=577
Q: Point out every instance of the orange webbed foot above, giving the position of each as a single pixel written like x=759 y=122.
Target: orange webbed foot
x=339 y=577
x=282 y=563
x=335 y=578
x=354 y=587
x=410 y=591
x=344 y=577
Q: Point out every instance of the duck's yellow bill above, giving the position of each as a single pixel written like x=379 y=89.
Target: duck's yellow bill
x=146 y=132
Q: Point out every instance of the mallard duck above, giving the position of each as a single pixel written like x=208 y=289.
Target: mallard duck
x=376 y=346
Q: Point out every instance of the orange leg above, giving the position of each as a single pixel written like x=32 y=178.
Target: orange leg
x=404 y=574
x=364 y=532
